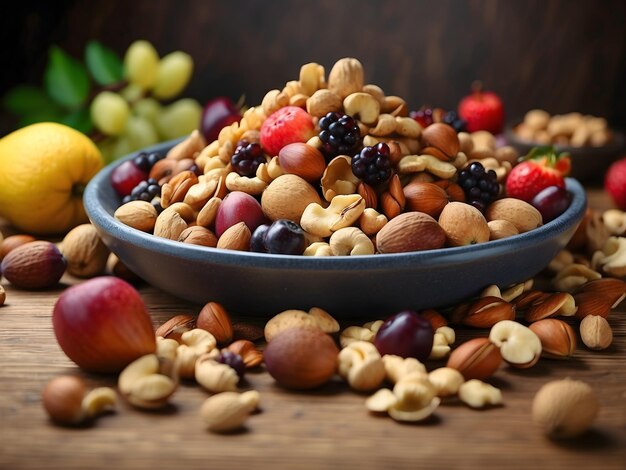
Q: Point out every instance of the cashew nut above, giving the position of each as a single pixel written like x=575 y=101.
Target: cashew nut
x=416 y=163
x=362 y=106
x=338 y=178
x=416 y=399
x=215 y=376
x=444 y=337
x=350 y=241
x=166 y=348
x=615 y=221
x=195 y=343
x=572 y=276
x=253 y=186
x=519 y=345
x=323 y=102
x=361 y=365
x=478 y=394
x=446 y=381
x=397 y=367
x=147 y=382
x=408 y=127
x=371 y=221
x=318 y=249
x=385 y=125
x=228 y=411
x=342 y=212
x=356 y=333
x=613 y=257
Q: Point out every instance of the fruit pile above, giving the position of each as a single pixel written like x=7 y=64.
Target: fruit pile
x=327 y=165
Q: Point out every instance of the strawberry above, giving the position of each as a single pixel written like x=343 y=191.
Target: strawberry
x=482 y=111
x=286 y=126
x=541 y=168
x=615 y=183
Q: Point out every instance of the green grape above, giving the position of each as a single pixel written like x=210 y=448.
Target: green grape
x=121 y=147
x=147 y=108
x=179 y=119
x=174 y=73
x=140 y=133
x=109 y=112
x=141 y=64
x=132 y=92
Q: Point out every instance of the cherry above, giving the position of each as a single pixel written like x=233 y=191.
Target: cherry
x=406 y=334
x=551 y=202
x=285 y=237
x=126 y=176
x=217 y=114
x=257 y=240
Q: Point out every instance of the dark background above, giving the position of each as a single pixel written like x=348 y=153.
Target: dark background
x=560 y=55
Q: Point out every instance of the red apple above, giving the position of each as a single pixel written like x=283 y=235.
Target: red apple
x=482 y=110
x=102 y=324
x=238 y=207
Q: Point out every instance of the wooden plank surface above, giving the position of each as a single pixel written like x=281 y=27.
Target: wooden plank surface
x=328 y=428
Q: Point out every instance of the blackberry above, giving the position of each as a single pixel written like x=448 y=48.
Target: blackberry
x=453 y=119
x=480 y=186
x=146 y=190
x=340 y=135
x=145 y=161
x=247 y=158
x=372 y=164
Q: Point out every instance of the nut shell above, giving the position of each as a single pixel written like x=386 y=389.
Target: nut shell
x=476 y=359
x=425 y=197
x=302 y=160
x=34 y=265
x=411 y=231
x=9 y=243
x=442 y=137
x=214 y=319
x=286 y=198
x=301 y=358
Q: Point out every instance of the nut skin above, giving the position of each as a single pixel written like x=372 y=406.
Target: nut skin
x=487 y=311
x=236 y=237
x=425 y=197
x=301 y=358
x=443 y=138
x=9 y=243
x=34 y=265
x=302 y=160
x=175 y=327
x=411 y=231
x=476 y=359
x=596 y=332
x=558 y=339
x=198 y=235
x=214 y=319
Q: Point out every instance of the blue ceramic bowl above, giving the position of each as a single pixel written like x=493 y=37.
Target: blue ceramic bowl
x=363 y=286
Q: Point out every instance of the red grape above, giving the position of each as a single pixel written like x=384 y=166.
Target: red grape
x=218 y=113
x=406 y=334
x=552 y=202
x=126 y=176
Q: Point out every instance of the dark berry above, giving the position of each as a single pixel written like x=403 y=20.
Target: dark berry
x=247 y=158
x=406 y=334
x=145 y=190
x=257 y=240
x=285 y=237
x=480 y=186
x=154 y=157
x=453 y=119
x=551 y=202
x=233 y=360
x=372 y=164
x=340 y=135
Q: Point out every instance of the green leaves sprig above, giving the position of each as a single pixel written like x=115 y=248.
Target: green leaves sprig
x=68 y=86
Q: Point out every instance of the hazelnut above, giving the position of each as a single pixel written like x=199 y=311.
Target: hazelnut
x=301 y=358
x=425 y=197
x=214 y=319
x=476 y=359
x=9 y=243
x=302 y=160
x=558 y=339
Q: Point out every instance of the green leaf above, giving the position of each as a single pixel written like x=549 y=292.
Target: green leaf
x=103 y=64
x=27 y=99
x=42 y=115
x=79 y=120
x=66 y=79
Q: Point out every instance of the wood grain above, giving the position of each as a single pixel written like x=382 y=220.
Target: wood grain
x=328 y=428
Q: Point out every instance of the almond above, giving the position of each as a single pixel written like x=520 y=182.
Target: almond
x=593 y=303
x=198 y=235
x=558 y=339
x=411 y=231
x=476 y=359
x=176 y=326
x=559 y=303
x=236 y=237
x=463 y=224
x=487 y=311
x=214 y=319
x=34 y=265
x=140 y=215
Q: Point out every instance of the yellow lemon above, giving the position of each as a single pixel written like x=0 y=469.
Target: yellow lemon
x=44 y=168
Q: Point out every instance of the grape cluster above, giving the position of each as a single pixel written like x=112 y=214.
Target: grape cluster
x=480 y=186
x=247 y=158
x=373 y=164
x=340 y=135
x=133 y=117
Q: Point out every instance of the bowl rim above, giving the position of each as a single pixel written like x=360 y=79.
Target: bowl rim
x=103 y=219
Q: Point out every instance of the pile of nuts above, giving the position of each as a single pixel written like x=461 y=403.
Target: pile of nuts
x=339 y=212
x=571 y=130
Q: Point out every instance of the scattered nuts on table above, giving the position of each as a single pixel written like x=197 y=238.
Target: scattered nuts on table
x=85 y=253
x=67 y=400
x=477 y=358
x=361 y=365
x=595 y=332
x=176 y=326
x=250 y=354
x=443 y=338
x=214 y=376
x=413 y=399
x=148 y=382
x=228 y=411
x=558 y=339
x=519 y=346
x=214 y=318
x=193 y=344
x=3 y=295
x=479 y=394
x=397 y=367
x=446 y=381
x=565 y=408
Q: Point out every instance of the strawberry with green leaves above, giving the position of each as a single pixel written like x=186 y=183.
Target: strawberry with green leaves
x=541 y=168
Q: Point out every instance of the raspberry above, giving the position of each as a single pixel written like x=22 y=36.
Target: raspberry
x=372 y=164
x=480 y=186
x=340 y=135
x=247 y=158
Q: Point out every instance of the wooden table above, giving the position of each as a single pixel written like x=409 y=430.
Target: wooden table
x=328 y=428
